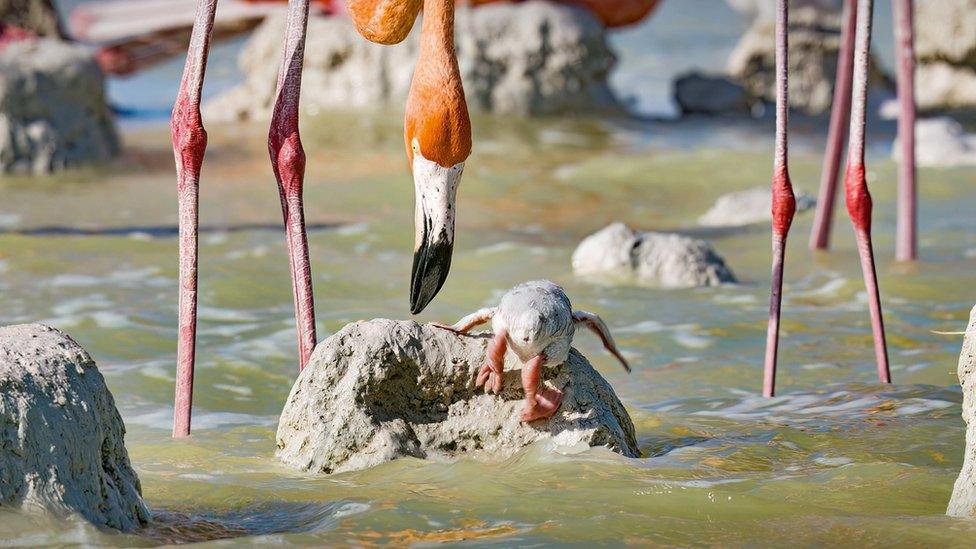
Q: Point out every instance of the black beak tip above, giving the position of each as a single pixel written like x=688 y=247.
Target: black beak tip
x=431 y=264
x=417 y=307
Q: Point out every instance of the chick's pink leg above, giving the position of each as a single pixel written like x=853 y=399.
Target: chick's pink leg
x=493 y=371
x=540 y=401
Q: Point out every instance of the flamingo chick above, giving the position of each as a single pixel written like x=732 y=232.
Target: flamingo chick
x=537 y=322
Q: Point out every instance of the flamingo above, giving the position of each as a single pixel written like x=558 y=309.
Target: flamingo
x=840 y=114
x=437 y=129
x=612 y=13
x=906 y=247
x=859 y=203
x=189 y=147
x=437 y=133
x=856 y=189
x=784 y=202
x=288 y=164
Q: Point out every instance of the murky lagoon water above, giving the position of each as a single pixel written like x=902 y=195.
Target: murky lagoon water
x=836 y=459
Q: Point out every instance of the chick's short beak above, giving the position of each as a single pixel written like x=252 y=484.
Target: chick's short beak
x=436 y=188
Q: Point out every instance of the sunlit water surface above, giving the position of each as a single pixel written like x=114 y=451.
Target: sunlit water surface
x=836 y=459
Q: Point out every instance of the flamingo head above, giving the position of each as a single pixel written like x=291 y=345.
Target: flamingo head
x=437 y=132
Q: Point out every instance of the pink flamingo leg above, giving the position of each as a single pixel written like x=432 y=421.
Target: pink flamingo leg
x=855 y=185
x=288 y=162
x=839 y=119
x=784 y=202
x=906 y=248
x=189 y=147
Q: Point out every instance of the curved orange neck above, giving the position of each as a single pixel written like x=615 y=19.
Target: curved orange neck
x=437 y=113
x=437 y=30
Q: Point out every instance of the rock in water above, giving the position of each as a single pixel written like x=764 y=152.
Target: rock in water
x=697 y=93
x=383 y=389
x=61 y=438
x=814 y=42
x=531 y=58
x=945 y=48
x=940 y=143
x=748 y=207
x=37 y=16
x=766 y=11
x=535 y=58
x=53 y=112
x=660 y=259
x=963 y=502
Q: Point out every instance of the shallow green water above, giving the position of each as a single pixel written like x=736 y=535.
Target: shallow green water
x=835 y=460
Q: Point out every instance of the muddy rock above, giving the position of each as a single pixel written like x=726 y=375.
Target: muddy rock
x=37 y=16
x=620 y=254
x=941 y=87
x=531 y=58
x=963 y=502
x=384 y=389
x=53 y=111
x=814 y=28
x=697 y=93
x=62 y=446
x=749 y=207
x=940 y=143
x=763 y=10
x=945 y=49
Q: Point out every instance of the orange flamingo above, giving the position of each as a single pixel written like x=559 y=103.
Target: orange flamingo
x=436 y=129
x=288 y=163
x=859 y=204
x=907 y=218
x=612 y=13
x=437 y=132
x=189 y=147
x=784 y=202
x=857 y=39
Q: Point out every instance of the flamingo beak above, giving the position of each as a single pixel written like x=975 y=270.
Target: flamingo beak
x=436 y=188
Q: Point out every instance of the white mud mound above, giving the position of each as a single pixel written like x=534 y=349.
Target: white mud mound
x=667 y=260
x=940 y=143
x=749 y=207
x=62 y=444
x=384 y=389
x=53 y=110
x=963 y=502
x=531 y=58
x=814 y=43
x=945 y=49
